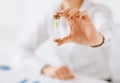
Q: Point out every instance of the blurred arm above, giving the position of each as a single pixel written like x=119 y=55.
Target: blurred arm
x=30 y=41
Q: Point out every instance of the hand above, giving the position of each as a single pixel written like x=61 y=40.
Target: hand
x=62 y=73
x=82 y=29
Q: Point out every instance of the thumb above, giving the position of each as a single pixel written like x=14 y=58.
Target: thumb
x=65 y=40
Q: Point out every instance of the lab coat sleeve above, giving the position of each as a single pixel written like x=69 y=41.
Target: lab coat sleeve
x=102 y=18
x=30 y=42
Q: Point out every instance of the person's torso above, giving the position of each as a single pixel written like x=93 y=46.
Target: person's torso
x=80 y=59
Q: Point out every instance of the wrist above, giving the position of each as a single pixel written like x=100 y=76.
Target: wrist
x=99 y=41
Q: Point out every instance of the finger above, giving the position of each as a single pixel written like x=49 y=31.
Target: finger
x=57 y=75
x=66 y=74
x=60 y=73
x=76 y=29
x=65 y=40
x=70 y=12
x=83 y=14
x=74 y=13
x=75 y=25
x=57 y=13
x=69 y=75
x=88 y=20
x=64 y=13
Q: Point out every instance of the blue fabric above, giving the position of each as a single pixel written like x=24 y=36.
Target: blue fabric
x=24 y=81
x=35 y=82
x=5 y=68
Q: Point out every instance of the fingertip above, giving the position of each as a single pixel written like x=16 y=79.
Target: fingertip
x=71 y=76
x=60 y=13
x=64 y=40
x=80 y=16
x=57 y=13
x=70 y=18
x=59 y=43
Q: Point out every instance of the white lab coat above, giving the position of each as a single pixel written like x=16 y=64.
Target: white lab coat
x=39 y=50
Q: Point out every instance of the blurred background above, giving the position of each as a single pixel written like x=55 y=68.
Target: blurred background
x=12 y=25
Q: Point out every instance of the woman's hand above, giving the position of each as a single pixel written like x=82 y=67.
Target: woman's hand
x=82 y=29
x=62 y=73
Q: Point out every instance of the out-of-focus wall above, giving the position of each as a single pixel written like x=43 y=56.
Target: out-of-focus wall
x=11 y=14
x=113 y=5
